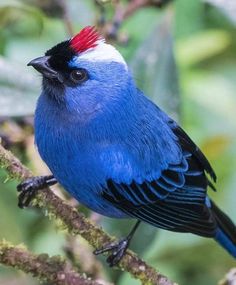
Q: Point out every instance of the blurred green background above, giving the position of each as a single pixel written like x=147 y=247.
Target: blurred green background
x=183 y=55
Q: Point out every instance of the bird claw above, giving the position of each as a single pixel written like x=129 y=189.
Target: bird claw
x=25 y=197
x=117 y=249
x=30 y=186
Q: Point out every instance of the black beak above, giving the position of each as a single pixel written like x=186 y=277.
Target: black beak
x=41 y=64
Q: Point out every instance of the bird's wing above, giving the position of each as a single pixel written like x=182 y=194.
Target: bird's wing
x=176 y=200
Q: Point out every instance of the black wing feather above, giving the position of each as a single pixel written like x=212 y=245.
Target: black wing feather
x=187 y=144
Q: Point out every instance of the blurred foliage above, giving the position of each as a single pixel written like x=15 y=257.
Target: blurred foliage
x=228 y=7
x=183 y=56
x=158 y=66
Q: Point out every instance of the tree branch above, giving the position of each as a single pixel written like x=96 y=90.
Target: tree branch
x=76 y=223
x=122 y=11
x=48 y=269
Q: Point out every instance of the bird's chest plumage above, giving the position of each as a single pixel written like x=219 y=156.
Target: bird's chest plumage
x=74 y=161
x=65 y=154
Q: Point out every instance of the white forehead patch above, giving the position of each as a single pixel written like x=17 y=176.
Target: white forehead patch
x=103 y=52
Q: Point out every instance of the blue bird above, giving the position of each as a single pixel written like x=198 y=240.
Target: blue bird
x=115 y=151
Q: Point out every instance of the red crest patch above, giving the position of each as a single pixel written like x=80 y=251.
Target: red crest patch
x=87 y=38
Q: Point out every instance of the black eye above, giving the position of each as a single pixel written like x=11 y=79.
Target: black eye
x=78 y=75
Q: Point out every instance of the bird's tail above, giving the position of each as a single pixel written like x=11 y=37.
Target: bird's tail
x=226 y=231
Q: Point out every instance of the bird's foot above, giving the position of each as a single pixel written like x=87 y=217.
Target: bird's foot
x=30 y=186
x=117 y=249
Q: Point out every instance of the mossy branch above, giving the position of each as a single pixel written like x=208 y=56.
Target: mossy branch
x=76 y=223
x=48 y=269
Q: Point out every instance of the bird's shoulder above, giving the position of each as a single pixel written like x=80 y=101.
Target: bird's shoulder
x=159 y=158
x=152 y=143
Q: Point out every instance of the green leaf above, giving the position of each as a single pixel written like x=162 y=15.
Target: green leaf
x=201 y=46
x=154 y=67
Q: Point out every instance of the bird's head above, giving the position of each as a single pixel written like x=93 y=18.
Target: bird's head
x=83 y=72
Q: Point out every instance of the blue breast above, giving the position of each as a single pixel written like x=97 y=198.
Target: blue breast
x=74 y=161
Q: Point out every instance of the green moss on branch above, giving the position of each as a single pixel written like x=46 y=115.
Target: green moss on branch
x=48 y=269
